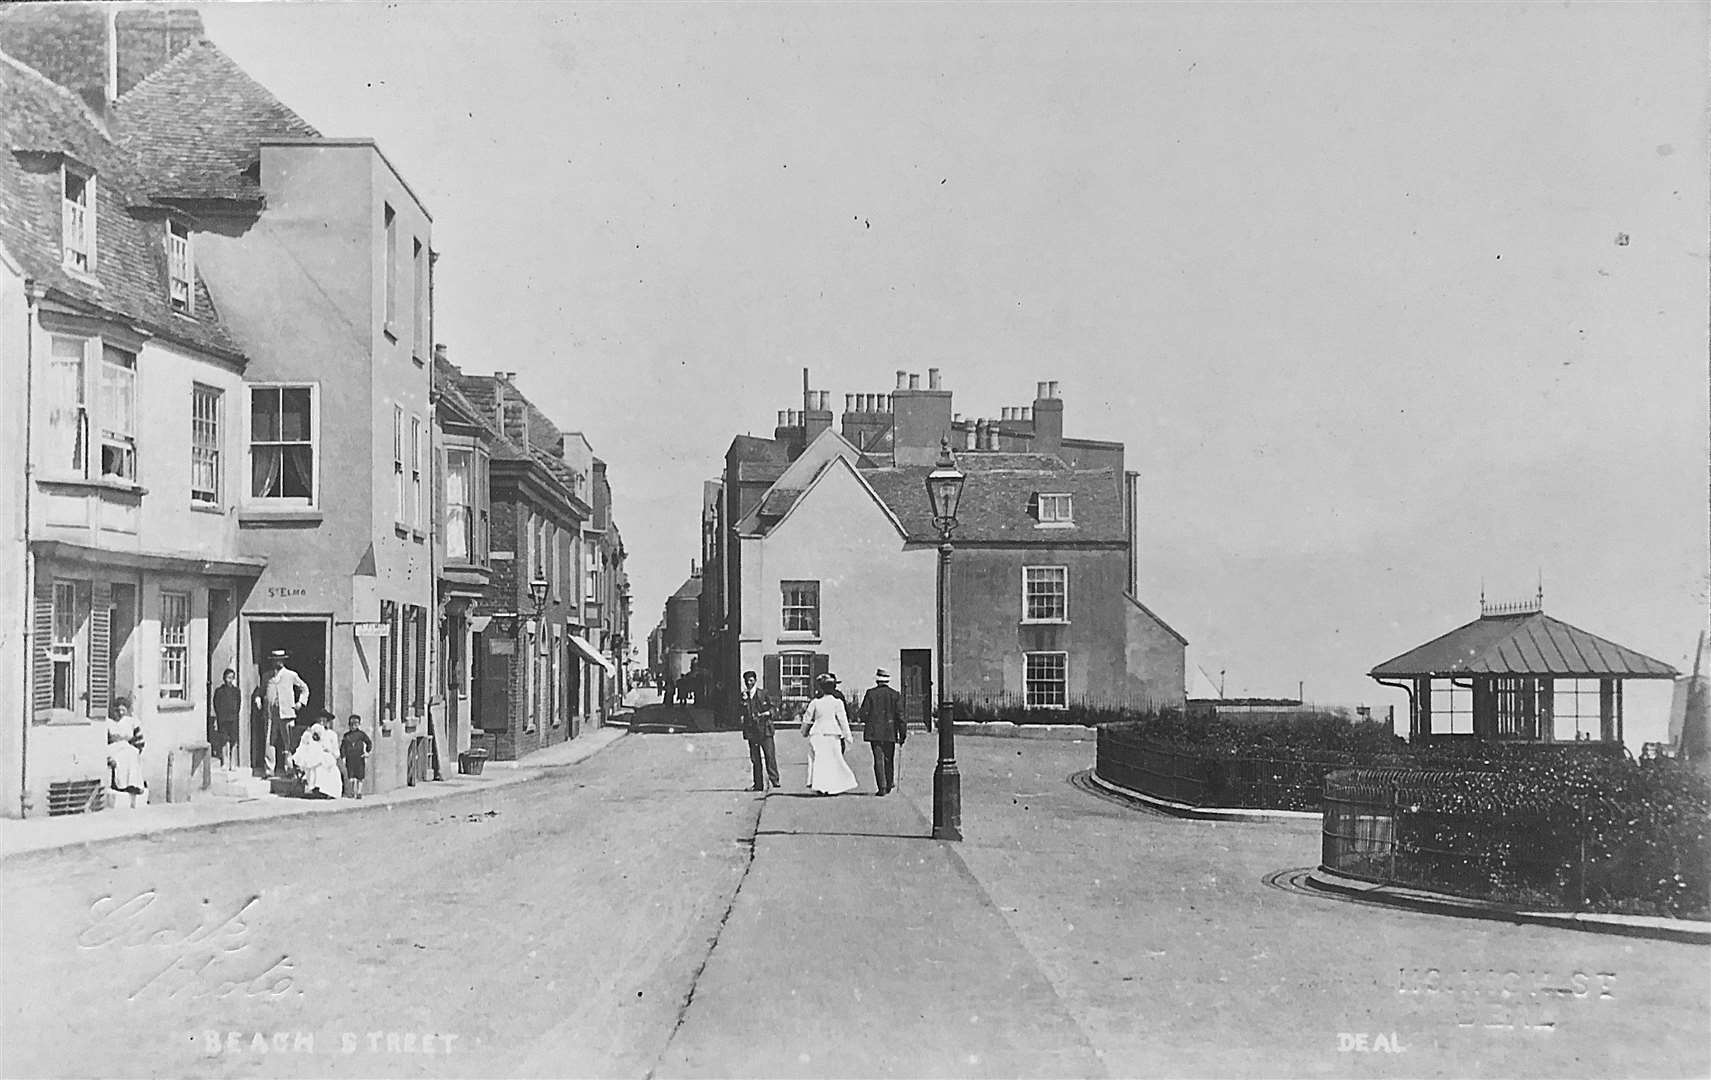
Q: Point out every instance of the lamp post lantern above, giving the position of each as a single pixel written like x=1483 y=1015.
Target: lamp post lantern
x=944 y=492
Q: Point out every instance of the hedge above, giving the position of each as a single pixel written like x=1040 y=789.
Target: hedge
x=1589 y=832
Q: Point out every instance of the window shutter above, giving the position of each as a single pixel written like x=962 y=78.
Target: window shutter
x=772 y=676
x=822 y=664
x=97 y=601
x=41 y=670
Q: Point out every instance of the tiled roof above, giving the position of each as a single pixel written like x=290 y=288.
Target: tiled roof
x=41 y=123
x=195 y=126
x=1524 y=644
x=754 y=448
x=691 y=587
x=995 y=506
x=445 y=376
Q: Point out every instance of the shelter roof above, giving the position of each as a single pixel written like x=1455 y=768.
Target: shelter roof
x=1530 y=643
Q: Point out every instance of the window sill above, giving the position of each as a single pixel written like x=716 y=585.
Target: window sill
x=174 y=705
x=419 y=536
x=417 y=359
x=117 y=487
x=1045 y=622
x=401 y=531
x=391 y=333
x=207 y=508
x=1054 y=524
x=298 y=515
x=71 y=720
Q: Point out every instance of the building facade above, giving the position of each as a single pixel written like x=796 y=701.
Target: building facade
x=822 y=556
x=121 y=503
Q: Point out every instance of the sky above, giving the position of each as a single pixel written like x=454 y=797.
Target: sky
x=1389 y=302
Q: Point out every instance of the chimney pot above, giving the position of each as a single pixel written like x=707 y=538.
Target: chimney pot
x=902 y=380
x=849 y=403
x=1027 y=413
x=914 y=382
x=932 y=378
x=440 y=353
x=1052 y=386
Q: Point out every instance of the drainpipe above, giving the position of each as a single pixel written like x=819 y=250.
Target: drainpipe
x=1413 y=712
x=32 y=294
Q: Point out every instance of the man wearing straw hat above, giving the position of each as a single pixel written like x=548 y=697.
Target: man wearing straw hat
x=282 y=695
x=883 y=727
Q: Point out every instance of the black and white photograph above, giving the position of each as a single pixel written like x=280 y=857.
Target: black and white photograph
x=855 y=539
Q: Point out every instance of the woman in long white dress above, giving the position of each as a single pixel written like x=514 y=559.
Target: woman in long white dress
x=826 y=726
x=320 y=763
x=125 y=751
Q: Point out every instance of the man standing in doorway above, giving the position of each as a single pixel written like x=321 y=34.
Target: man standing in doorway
x=758 y=709
x=883 y=728
x=282 y=695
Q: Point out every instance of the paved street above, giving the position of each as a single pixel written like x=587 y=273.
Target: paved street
x=607 y=919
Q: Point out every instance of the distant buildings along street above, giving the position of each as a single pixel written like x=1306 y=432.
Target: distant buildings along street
x=819 y=554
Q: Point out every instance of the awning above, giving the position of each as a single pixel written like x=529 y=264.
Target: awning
x=592 y=655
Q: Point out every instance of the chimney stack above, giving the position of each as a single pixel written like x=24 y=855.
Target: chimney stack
x=933 y=378
x=902 y=380
x=1047 y=418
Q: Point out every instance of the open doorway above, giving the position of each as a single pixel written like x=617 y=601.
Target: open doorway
x=915 y=667
x=305 y=644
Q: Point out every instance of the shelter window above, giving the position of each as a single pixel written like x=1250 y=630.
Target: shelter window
x=1047 y=680
x=801 y=609
x=1575 y=708
x=1452 y=707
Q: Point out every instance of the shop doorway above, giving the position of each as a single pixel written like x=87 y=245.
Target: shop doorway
x=305 y=644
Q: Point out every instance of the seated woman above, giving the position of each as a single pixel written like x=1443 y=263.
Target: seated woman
x=125 y=751
x=318 y=759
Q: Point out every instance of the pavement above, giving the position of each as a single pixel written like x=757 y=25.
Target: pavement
x=18 y=836
x=642 y=914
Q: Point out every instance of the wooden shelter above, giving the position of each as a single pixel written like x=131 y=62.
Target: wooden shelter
x=1517 y=674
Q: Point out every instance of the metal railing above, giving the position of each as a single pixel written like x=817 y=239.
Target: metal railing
x=1202 y=778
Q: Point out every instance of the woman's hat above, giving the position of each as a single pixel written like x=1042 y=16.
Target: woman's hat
x=826 y=678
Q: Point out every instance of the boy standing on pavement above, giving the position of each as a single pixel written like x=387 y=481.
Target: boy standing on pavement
x=353 y=752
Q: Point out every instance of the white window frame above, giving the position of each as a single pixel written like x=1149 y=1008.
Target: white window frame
x=77 y=220
x=1036 y=699
x=553 y=562
x=180 y=269
x=76 y=412
x=314 y=443
x=806 y=679
x=1029 y=576
x=63 y=645
x=418 y=465
x=1055 y=508
x=207 y=428
x=398 y=465
x=175 y=620
x=118 y=422
x=464 y=531
x=786 y=609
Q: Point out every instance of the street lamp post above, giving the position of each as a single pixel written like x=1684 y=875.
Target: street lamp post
x=944 y=491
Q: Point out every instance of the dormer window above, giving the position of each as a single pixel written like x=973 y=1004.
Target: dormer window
x=1053 y=510
x=78 y=217
x=180 y=270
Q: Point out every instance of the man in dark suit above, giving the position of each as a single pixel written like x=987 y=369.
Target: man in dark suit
x=883 y=727
x=757 y=710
